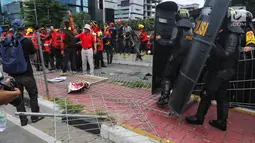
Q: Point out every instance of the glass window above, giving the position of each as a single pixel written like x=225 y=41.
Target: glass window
x=85 y=9
x=78 y=9
x=73 y=2
x=85 y=2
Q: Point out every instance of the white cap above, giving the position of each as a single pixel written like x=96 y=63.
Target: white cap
x=87 y=26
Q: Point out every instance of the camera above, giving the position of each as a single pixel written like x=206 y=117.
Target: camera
x=9 y=84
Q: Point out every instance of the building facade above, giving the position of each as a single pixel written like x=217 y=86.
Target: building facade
x=150 y=8
x=76 y=6
x=102 y=10
x=134 y=9
x=189 y=7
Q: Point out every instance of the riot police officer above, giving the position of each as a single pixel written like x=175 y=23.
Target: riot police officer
x=180 y=42
x=221 y=64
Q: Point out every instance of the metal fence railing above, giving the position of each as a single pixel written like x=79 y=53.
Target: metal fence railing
x=241 y=89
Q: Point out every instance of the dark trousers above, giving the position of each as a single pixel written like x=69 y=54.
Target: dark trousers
x=143 y=46
x=170 y=74
x=216 y=84
x=99 y=61
x=78 y=58
x=56 y=53
x=173 y=67
x=70 y=55
x=46 y=57
x=120 y=46
x=113 y=44
x=27 y=81
x=109 y=53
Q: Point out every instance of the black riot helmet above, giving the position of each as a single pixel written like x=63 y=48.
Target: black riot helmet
x=228 y=18
x=244 y=14
x=182 y=13
x=246 y=19
x=232 y=22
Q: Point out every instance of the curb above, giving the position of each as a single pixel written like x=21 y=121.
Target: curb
x=116 y=133
x=131 y=60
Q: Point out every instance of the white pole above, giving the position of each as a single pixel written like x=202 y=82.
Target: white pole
x=36 y=20
x=103 y=11
x=129 y=12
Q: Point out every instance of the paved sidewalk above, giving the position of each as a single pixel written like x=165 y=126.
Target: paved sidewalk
x=136 y=110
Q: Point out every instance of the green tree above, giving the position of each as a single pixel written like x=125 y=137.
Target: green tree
x=250 y=4
x=148 y=24
x=80 y=19
x=48 y=11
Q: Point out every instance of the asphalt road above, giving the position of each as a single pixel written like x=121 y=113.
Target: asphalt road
x=17 y=134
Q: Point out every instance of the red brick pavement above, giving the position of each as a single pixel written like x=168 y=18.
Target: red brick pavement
x=137 y=108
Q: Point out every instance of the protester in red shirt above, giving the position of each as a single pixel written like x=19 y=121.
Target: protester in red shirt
x=94 y=27
x=55 y=35
x=143 y=37
x=46 y=51
x=88 y=42
x=100 y=47
x=35 y=42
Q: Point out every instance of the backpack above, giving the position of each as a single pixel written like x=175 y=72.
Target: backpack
x=12 y=56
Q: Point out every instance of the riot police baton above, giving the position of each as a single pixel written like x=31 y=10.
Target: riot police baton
x=206 y=29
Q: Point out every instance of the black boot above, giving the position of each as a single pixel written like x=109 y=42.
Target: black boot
x=222 y=125
x=111 y=59
x=222 y=113
x=167 y=86
x=204 y=105
x=23 y=121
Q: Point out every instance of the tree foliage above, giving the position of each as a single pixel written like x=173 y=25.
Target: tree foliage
x=80 y=19
x=48 y=11
x=148 y=23
x=250 y=4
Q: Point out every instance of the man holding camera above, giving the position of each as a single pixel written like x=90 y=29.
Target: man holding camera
x=22 y=74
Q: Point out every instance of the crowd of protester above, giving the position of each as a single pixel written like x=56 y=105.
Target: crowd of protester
x=84 y=49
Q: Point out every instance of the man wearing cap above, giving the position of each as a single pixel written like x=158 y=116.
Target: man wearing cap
x=88 y=41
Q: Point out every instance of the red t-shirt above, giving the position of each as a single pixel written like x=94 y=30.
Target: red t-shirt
x=87 y=40
x=95 y=29
x=101 y=46
x=143 y=36
x=56 y=39
x=35 y=40
x=47 y=45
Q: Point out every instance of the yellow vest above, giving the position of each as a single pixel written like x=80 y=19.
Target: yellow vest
x=250 y=38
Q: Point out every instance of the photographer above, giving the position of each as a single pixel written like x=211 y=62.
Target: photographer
x=21 y=70
x=8 y=96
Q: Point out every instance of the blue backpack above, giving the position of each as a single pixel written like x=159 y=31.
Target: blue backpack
x=12 y=56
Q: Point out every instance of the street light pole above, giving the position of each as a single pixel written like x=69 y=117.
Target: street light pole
x=103 y=11
x=36 y=20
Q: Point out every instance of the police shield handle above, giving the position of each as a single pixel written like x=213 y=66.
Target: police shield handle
x=206 y=29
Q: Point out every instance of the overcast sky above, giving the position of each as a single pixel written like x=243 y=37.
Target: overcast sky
x=200 y=2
